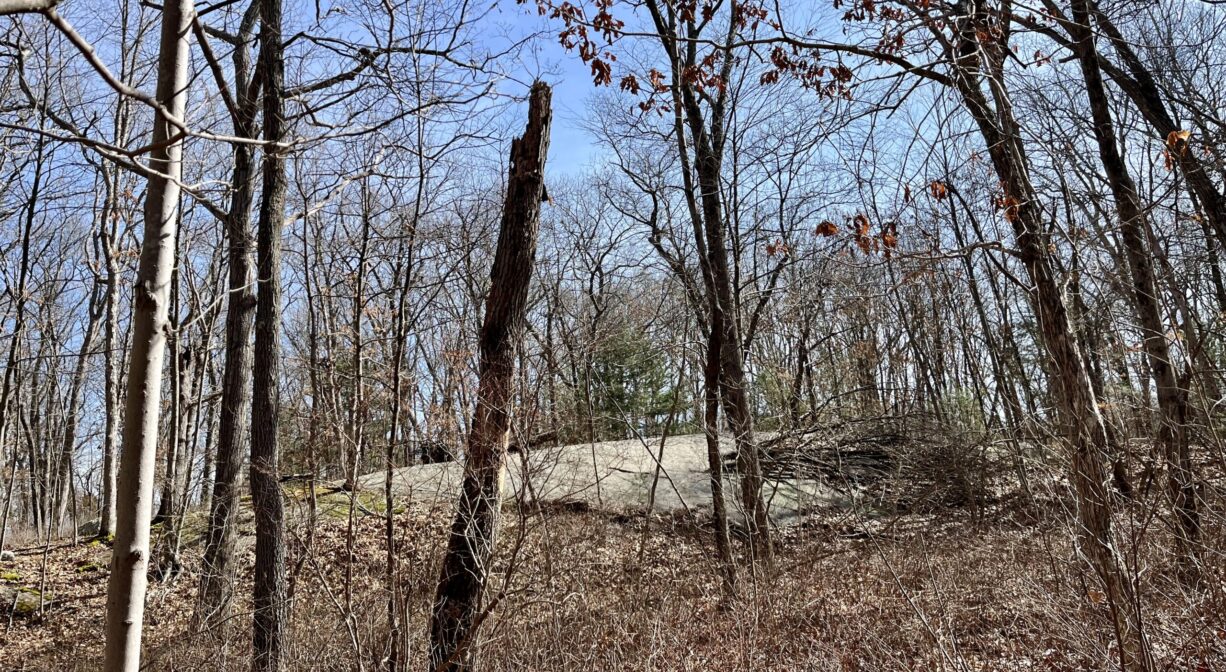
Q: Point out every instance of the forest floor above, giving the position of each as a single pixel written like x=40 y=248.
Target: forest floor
x=996 y=586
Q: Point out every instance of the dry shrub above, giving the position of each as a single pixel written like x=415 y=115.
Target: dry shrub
x=594 y=591
x=898 y=464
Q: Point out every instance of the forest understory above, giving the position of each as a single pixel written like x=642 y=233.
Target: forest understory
x=988 y=581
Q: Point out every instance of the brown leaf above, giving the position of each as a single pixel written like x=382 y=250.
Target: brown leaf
x=1175 y=139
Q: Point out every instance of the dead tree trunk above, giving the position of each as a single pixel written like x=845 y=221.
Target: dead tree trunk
x=458 y=603
x=134 y=493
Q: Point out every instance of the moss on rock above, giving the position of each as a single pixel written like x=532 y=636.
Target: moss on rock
x=21 y=602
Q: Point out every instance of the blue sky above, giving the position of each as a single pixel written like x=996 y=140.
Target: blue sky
x=571 y=149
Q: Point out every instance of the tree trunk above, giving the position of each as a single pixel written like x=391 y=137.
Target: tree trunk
x=108 y=236
x=68 y=445
x=796 y=393
x=134 y=493
x=170 y=474
x=734 y=384
x=458 y=609
x=402 y=274
x=1087 y=432
x=1135 y=232
x=717 y=274
x=715 y=463
x=357 y=404
x=217 y=576
x=269 y=588
x=111 y=362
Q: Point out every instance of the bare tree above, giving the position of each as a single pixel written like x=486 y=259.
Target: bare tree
x=216 y=582
x=134 y=493
x=1137 y=234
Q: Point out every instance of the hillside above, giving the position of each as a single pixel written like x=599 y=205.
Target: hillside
x=586 y=581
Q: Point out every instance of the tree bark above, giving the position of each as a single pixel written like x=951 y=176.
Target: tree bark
x=134 y=493
x=715 y=463
x=112 y=364
x=458 y=604
x=1135 y=231
x=217 y=576
x=1087 y=432
x=269 y=590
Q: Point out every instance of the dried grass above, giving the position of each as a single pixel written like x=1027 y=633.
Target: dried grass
x=592 y=591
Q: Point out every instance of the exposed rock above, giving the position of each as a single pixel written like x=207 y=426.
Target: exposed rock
x=434 y=452
x=19 y=602
x=89 y=528
x=610 y=476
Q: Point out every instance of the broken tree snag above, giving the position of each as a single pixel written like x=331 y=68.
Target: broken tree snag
x=458 y=609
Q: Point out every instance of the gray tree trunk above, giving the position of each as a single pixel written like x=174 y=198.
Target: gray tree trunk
x=217 y=577
x=112 y=365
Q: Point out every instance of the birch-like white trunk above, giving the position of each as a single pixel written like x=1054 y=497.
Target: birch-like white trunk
x=125 y=604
